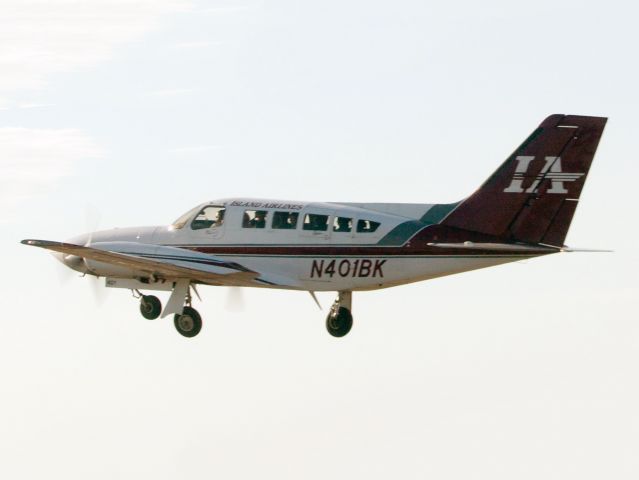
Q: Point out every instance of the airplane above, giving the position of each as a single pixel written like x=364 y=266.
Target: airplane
x=523 y=210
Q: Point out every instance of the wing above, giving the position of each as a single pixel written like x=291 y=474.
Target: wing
x=166 y=262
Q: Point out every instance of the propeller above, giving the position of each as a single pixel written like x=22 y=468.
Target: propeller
x=65 y=274
x=72 y=263
x=93 y=216
x=235 y=299
x=100 y=292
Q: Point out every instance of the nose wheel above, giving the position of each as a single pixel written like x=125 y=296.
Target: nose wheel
x=150 y=307
x=339 y=323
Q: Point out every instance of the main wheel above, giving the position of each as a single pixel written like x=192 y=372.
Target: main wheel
x=150 y=307
x=340 y=323
x=189 y=323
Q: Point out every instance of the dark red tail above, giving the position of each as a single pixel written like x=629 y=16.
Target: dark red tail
x=533 y=195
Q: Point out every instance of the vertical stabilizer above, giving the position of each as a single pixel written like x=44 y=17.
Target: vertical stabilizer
x=533 y=195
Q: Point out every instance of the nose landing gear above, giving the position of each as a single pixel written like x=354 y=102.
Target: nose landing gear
x=150 y=307
x=340 y=320
x=188 y=321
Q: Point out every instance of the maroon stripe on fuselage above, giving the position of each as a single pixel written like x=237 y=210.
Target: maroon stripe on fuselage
x=417 y=245
x=319 y=251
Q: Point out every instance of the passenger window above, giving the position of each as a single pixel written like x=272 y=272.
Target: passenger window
x=313 y=221
x=342 y=224
x=366 y=226
x=254 y=218
x=285 y=220
x=209 y=216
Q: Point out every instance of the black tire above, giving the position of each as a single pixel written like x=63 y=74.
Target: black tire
x=340 y=324
x=150 y=307
x=189 y=323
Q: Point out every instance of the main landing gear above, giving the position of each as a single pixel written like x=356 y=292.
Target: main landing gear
x=188 y=323
x=340 y=320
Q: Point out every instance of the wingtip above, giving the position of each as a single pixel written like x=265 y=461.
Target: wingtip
x=39 y=243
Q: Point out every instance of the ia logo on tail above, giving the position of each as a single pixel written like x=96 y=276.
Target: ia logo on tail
x=551 y=171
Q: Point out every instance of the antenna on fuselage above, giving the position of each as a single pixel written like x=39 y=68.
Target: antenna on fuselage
x=315 y=298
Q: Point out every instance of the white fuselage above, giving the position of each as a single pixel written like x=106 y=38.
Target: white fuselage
x=367 y=252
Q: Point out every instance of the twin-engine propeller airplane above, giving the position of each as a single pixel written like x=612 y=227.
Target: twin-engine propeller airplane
x=522 y=211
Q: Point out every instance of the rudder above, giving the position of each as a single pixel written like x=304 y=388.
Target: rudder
x=533 y=195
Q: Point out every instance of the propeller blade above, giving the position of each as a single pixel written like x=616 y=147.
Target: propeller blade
x=93 y=216
x=235 y=299
x=99 y=291
x=65 y=274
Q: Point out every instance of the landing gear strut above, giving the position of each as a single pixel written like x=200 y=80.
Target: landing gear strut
x=189 y=322
x=340 y=320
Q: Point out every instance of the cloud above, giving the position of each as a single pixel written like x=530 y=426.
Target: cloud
x=43 y=37
x=33 y=160
x=28 y=106
x=197 y=44
x=226 y=9
x=195 y=149
x=169 y=92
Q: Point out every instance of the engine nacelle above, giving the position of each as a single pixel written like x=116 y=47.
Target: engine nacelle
x=133 y=284
x=108 y=270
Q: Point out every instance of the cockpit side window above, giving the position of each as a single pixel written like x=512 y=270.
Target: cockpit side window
x=254 y=218
x=285 y=220
x=367 y=226
x=317 y=222
x=210 y=216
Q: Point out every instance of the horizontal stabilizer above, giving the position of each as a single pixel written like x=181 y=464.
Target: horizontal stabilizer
x=585 y=250
x=513 y=247
x=497 y=247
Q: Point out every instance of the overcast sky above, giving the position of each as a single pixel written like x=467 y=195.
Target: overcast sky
x=123 y=113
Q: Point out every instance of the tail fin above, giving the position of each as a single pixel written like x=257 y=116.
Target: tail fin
x=533 y=195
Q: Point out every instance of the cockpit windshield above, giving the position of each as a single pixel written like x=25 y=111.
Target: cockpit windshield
x=182 y=219
x=206 y=216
